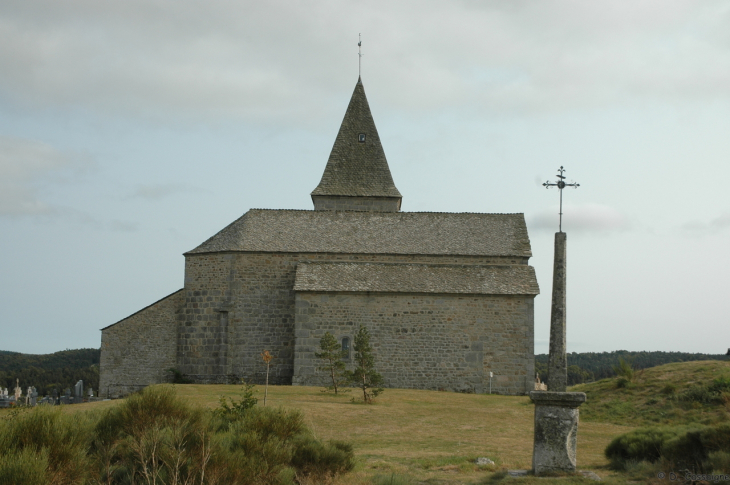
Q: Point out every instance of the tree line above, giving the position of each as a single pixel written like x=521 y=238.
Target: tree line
x=46 y=372
x=593 y=366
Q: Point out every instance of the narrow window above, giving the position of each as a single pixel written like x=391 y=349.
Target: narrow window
x=361 y=137
x=346 y=347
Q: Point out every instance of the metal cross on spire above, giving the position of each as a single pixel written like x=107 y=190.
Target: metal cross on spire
x=560 y=184
x=359 y=54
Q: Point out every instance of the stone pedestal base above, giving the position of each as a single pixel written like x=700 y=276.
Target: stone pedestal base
x=556 y=430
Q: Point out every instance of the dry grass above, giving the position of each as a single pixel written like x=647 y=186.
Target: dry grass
x=424 y=434
x=433 y=437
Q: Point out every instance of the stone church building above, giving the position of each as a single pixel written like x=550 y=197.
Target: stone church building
x=447 y=297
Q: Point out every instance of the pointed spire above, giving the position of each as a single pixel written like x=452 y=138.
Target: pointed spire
x=357 y=167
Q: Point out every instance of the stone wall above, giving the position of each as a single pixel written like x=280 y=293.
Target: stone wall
x=239 y=304
x=137 y=351
x=425 y=341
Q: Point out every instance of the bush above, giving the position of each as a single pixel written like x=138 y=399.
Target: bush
x=712 y=393
x=177 y=377
x=231 y=410
x=698 y=449
x=56 y=438
x=624 y=369
x=154 y=436
x=319 y=460
x=25 y=467
x=639 y=445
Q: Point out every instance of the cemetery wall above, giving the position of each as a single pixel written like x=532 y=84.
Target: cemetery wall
x=238 y=304
x=137 y=351
x=425 y=341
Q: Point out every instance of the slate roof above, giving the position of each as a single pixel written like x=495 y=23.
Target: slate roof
x=416 y=278
x=355 y=168
x=373 y=233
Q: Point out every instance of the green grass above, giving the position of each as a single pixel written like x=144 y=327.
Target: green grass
x=653 y=396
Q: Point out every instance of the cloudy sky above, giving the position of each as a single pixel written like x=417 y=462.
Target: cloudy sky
x=132 y=131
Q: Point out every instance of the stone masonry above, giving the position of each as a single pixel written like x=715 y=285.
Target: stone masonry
x=433 y=341
x=252 y=295
x=138 y=350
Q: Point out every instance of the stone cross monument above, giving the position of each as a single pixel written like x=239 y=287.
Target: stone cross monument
x=556 y=411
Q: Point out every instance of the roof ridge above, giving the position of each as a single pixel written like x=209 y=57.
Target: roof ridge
x=379 y=213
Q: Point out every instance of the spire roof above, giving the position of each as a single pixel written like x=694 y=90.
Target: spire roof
x=357 y=166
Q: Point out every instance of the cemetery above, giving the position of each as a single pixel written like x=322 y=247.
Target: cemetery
x=31 y=398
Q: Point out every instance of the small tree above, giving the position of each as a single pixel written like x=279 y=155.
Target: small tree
x=266 y=357
x=332 y=355
x=364 y=376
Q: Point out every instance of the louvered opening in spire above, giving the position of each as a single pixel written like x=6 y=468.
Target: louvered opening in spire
x=357 y=176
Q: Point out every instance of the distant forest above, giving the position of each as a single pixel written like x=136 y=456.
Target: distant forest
x=47 y=372
x=593 y=366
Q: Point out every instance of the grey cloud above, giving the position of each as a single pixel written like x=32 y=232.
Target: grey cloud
x=272 y=60
x=593 y=218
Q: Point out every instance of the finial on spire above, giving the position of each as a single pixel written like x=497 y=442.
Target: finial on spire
x=359 y=55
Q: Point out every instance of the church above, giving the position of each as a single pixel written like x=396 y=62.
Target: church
x=448 y=298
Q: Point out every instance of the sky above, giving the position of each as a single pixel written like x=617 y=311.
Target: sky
x=132 y=131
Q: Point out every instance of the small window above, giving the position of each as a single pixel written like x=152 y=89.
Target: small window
x=361 y=137
x=346 y=347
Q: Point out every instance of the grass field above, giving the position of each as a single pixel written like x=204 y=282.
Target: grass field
x=430 y=437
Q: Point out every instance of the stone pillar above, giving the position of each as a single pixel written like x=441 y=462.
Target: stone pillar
x=557 y=359
x=556 y=430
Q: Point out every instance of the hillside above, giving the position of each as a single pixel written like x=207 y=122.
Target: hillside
x=669 y=394
x=46 y=372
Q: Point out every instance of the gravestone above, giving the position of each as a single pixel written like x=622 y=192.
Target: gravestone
x=79 y=392
x=66 y=398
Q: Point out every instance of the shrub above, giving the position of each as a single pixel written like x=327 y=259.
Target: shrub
x=25 y=467
x=623 y=382
x=319 y=460
x=231 y=410
x=155 y=437
x=698 y=449
x=719 y=461
x=641 y=444
x=669 y=390
x=624 y=369
x=62 y=440
x=712 y=393
x=177 y=377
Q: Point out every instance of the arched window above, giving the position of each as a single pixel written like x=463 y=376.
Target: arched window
x=346 y=347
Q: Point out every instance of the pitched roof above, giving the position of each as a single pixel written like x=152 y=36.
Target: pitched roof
x=416 y=278
x=357 y=168
x=373 y=233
